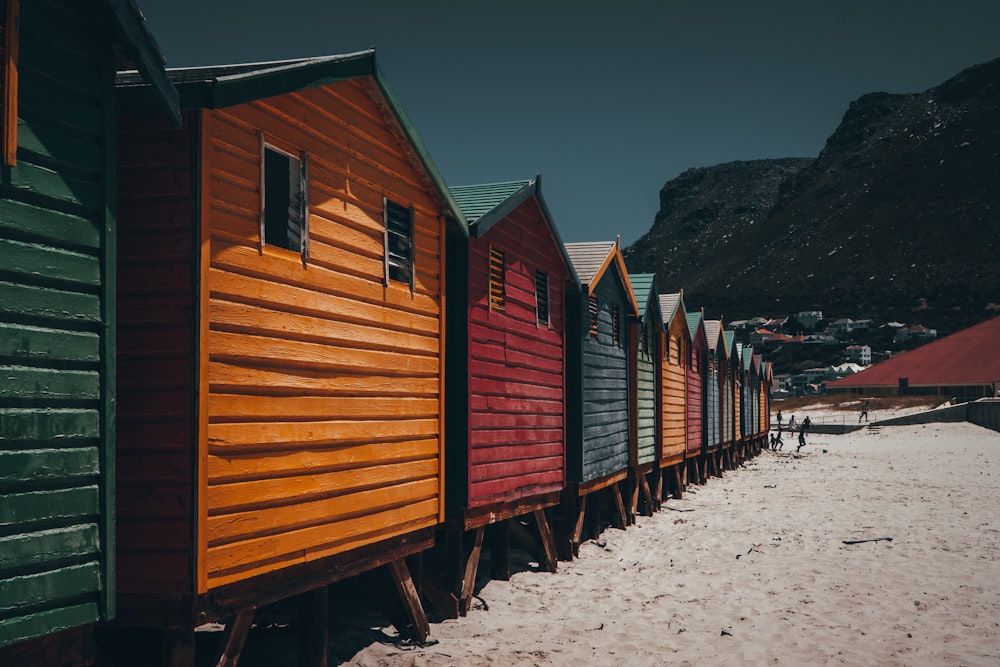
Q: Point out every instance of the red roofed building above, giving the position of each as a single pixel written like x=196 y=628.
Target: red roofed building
x=964 y=365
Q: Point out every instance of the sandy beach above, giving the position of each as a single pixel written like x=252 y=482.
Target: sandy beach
x=752 y=569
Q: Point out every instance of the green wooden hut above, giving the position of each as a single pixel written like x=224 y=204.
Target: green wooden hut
x=57 y=328
x=644 y=396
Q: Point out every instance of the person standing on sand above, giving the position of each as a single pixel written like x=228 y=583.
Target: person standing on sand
x=864 y=412
x=802 y=436
x=779 y=421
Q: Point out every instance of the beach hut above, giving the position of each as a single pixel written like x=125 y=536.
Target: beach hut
x=505 y=429
x=695 y=408
x=673 y=392
x=739 y=376
x=57 y=316
x=597 y=454
x=644 y=396
x=715 y=355
x=281 y=338
x=749 y=396
x=726 y=376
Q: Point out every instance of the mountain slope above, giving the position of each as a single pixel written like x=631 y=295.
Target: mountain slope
x=900 y=211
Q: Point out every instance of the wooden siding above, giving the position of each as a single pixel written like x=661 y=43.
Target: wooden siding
x=599 y=374
x=57 y=330
x=644 y=388
x=713 y=413
x=674 y=393
x=156 y=356
x=695 y=376
x=516 y=402
x=324 y=396
x=728 y=433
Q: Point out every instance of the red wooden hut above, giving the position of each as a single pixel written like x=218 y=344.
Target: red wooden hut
x=281 y=340
x=506 y=428
x=695 y=377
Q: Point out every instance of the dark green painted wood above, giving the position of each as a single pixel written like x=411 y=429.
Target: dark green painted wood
x=44 y=425
x=46 y=622
x=47 y=546
x=46 y=384
x=24 y=220
x=50 y=304
x=40 y=344
x=54 y=505
x=43 y=588
x=34 y=465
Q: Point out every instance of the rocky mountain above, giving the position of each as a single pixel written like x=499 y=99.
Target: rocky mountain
x=898 y=218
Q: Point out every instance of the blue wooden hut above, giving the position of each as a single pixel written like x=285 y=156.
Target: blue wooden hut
x=597 y=454
x=713 y=395
x=57 y=316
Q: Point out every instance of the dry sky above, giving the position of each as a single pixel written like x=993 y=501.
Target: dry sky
x=607 y=100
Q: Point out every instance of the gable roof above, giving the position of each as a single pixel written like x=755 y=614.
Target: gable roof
x=966 y=357
x=671 y=306
x=591 y=260
x=644 y=288
x=136 y=47
x=216 y=87
x=713 y=333
x=696 y=324
x=487 y=204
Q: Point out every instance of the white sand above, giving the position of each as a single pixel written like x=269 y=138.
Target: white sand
x=761 y=557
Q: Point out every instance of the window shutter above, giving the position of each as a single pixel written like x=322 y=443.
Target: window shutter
x=615 y=335
x=398 y=243
x=498 y=287
x=304 y=196
x=263 y=190
x=594 y=313
x=542 y=298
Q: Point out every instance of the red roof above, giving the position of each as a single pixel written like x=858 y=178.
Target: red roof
x=966 y=357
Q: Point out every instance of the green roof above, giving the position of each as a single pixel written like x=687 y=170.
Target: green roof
x=478 y=200
x=694 y=319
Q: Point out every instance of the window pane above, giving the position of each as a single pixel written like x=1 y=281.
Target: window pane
x=284 y=214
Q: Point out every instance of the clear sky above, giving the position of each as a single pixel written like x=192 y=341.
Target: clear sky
x=606 y=100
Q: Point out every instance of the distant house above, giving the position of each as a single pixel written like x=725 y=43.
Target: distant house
x=963 y=365
x=862 y=325
x=842 y=326
x=917 y=332
x=861 y=354
x=809 y=318
x=758 y=336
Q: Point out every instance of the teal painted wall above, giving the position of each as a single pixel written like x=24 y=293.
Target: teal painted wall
x=57 y=330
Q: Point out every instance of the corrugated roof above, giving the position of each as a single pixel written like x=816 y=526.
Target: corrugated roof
x=966 y=357
x=670 y=306
x=694 y=319
x=589 y=257
x=478 y=200
x=712 y=329
x=643 y=286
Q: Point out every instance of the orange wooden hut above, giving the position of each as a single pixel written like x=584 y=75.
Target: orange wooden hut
x=281 y=336
x=674 y=348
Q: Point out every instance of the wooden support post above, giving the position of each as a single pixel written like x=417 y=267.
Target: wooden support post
x=678 y=482
x=616 y=496
x=651 y=504
x=500 y=550
x=313 y=627
x=443 y=600
x=418 y=628
x=550 y=561
x=633 y=504
x=236 y=638
x=178 y=647
x=578 y=525
x=454 y=566
x=471 y=569
x=658 y=487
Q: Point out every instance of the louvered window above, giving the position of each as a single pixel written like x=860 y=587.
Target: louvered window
x=645 y=341
x=498 y=287
x=9 y=34
x=542 y=298
x=593 y=315
x=616 y=338
x=398 y=243
x=285 y=212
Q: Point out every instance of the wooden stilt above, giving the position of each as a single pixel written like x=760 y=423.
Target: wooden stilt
x=633 y=504
x=236 y=638
x=658 y=487
x=550 y=561
x=443 y=600
x=651 y=504
x=578 y=526
x=454 y=568
x=616 y=496
x=471 y=569
x=418 y=628
x=313 y=627
x=500 y=550
x=678 y=482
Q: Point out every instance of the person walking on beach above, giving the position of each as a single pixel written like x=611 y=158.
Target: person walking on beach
x=802 y=436
x=864 y=412
x=779 y=421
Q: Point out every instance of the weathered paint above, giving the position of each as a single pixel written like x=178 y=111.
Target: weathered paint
x=645 y=335
x=695 y=376
x=713 y=386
